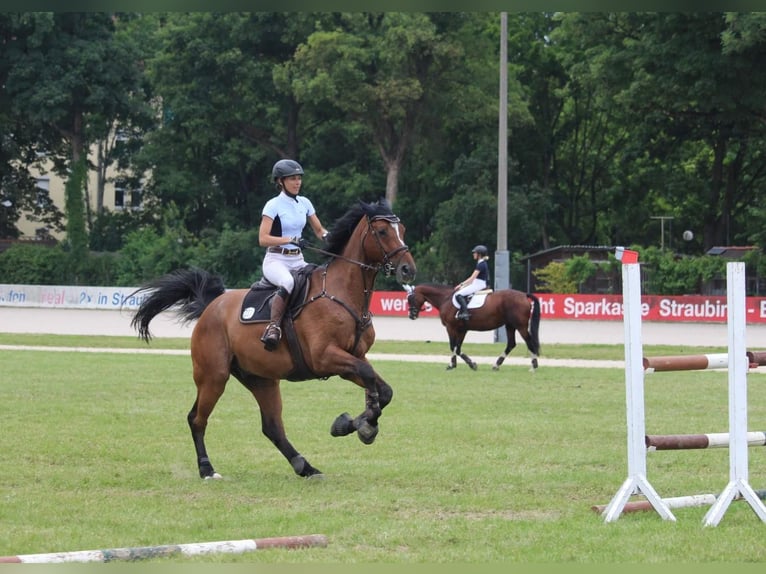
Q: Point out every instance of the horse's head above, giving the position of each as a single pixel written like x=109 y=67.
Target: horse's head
x=412 y=302
x=392 y=253
x=380 y=242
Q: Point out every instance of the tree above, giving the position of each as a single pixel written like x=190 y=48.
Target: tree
x=70 y=79
x=224 y=122
x=377 y=69
x=691 y=110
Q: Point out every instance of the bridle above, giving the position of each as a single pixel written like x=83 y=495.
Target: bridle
x=364 y=320
x=387 y=265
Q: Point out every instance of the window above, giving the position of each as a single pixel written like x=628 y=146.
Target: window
x=119 y=194
x=43 y=185
x=136 y=195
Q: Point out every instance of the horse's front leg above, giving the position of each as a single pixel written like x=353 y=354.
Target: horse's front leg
x=378 y=394
x=454 y=349
x=459 y=352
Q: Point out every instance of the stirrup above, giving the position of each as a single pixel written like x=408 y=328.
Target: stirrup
x=271 y=337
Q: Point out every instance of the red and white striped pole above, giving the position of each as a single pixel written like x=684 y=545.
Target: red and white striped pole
x=193 y=549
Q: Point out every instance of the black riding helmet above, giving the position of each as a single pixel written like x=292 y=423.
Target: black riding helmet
x=285 y=168
x=481 y=250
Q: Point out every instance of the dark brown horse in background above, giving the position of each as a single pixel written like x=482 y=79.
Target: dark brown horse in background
x=513 y=309
x=333 y=328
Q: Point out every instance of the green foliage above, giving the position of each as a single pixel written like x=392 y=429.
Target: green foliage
x=77 y=235
x=614 y=118
x=110 y=228
x=580 y=268
x=555 y=278
x=234 y=255
x=149 y=253
x=29 y=264
x=668 y=273
x=460 y=224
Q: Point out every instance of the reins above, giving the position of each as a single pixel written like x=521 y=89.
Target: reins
x=365 y=320
x=386 y=264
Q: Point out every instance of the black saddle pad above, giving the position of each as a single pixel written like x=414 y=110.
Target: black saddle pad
x=256 y=304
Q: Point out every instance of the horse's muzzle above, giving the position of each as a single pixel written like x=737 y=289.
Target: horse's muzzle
x=405 y=272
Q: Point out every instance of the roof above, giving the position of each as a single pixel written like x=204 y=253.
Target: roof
x=559 y=248
x=731 y=251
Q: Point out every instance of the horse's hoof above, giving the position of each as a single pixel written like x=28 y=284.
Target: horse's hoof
x=342 y=426
x=214 y=476
x=450 y=367
x=495 y=367
x=367 y=432
x=473 y=366
x=317 y=476
x=534 y=364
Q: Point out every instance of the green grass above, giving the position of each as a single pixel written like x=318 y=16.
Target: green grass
x=561 y=351
x=469 y=467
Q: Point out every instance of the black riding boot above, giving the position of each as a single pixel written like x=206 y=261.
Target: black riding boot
x=273 y=332
x=463 y=313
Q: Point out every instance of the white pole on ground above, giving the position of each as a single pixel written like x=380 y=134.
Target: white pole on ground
x=738 y=462
x=636 y=483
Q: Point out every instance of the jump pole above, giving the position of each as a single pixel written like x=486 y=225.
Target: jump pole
x=738 y=462
x=686 y=362
x=194 y=549
x=691 y=501
x=696 y=441
x=636 y=483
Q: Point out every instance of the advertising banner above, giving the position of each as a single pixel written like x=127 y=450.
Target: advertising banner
x=677 y=308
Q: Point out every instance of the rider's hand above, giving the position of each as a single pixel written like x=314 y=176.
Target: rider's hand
x=299 y=241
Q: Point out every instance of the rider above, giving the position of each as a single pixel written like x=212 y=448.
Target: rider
x=475 y=282
x=283 y=219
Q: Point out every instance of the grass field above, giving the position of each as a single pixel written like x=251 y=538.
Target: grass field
x=469 y=467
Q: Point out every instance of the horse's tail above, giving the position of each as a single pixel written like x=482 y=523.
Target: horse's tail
x=189 y=291
x=534 y=324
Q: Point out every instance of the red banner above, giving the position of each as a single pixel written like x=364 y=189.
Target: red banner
x=677 y=308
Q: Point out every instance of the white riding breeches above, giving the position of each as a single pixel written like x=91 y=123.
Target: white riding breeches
x=277 y=267
x=476 y=285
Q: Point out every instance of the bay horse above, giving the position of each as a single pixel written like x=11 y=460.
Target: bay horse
x=333 y=329
x=513 y=309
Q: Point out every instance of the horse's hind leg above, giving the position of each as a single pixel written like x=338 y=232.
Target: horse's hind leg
x=530 y=347
x=510 y=335
x=270 y=402
x=197 y=418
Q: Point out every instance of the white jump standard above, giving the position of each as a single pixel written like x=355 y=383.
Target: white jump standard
x=738 y=438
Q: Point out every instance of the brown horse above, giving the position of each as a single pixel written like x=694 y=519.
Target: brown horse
x=332 y=331
x=514 y=309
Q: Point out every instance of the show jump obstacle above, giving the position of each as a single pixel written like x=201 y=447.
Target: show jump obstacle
x=194 y=549
x=738 y=487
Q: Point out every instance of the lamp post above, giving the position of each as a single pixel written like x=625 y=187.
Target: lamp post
x=502 y=271
x=662 y=219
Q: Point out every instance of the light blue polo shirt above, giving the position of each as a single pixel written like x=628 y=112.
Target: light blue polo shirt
x=289 y=215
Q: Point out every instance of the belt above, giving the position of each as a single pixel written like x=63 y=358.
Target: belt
x=285 y=251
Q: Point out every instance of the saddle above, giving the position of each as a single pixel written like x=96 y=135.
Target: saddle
x=256 y=304
x=476 y=300
x=256 y=308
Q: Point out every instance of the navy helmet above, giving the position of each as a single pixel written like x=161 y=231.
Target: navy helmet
x=481 y=250
x=285 y=168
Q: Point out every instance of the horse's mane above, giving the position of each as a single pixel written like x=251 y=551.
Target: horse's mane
x=344 y=226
